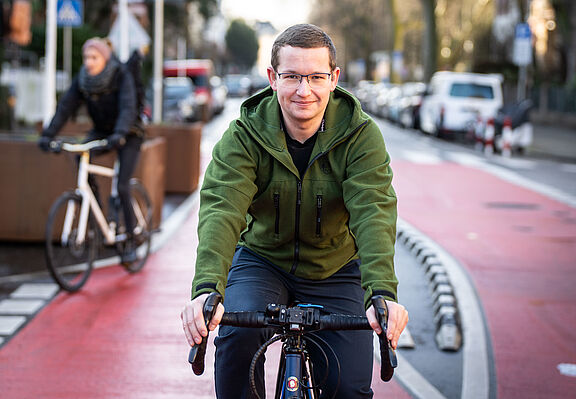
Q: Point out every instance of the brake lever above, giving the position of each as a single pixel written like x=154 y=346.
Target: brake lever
x=198 y=352
x=389 y=361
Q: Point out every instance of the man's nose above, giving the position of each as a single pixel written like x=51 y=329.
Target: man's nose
x=304 y=85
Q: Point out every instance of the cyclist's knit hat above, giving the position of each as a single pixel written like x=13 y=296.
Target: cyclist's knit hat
x=100 y=45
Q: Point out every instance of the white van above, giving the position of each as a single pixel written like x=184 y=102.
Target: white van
x=456 y=99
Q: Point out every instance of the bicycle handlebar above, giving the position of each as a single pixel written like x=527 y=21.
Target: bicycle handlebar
x=315 y=322
x=57 y=146
x=299 y=319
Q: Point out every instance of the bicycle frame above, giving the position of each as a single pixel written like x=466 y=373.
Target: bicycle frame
x=295 y=378
x=89 y=201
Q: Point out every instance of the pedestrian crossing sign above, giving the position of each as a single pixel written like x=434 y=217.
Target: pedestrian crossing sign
x=69 y=12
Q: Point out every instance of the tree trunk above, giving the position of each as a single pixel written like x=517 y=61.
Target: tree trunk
x=430 y=39
x=571 y=45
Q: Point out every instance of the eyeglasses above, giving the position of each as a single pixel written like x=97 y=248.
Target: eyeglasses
x=291 y=80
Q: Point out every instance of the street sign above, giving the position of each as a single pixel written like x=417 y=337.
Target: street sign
x=522 y=54
x=69 y=12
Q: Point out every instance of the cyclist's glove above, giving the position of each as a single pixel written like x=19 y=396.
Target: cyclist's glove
x=44 y=143
x=116 y=140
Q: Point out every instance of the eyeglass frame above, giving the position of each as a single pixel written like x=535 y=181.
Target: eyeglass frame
x=304 y=76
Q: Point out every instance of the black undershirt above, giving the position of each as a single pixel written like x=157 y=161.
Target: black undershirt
x=300 y=151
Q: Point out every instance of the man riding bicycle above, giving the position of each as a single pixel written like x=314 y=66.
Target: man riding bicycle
x=297 y=206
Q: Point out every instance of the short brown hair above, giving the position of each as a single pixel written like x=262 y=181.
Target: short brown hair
x=303 y=36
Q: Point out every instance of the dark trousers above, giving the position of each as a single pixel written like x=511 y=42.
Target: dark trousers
x=128 y=158
x=253 y=282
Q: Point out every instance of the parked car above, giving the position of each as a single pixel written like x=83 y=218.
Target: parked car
x=238 y=85
x=257 y=83
x=179 y=101
x=409 y=104
x=363 y=91
x=377 y=98
x=199 y=71
x=219 y=94
x=454 y=99
x=391 y=104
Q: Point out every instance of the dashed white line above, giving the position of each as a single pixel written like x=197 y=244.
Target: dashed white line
x=423 y=158
x=42 y=291
x=20 y=306
x=9 y=324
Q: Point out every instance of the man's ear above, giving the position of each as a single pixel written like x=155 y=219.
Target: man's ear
x=272 y=78
x=335 y=77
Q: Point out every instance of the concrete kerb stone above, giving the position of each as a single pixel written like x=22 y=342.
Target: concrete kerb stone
x=471 y=324
x=448 y=327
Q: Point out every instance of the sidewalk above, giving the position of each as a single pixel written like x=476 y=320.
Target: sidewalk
x=555 y=142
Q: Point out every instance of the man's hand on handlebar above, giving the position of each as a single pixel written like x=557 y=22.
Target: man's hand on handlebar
x=44 y=143
x=193 y=321
x=397 y=320
x=116 y=140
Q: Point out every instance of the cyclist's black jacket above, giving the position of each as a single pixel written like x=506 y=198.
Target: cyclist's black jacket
x=112 y=110
x=342 y=208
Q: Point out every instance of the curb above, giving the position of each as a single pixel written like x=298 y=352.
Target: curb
x=470 y=324
x=446 y=313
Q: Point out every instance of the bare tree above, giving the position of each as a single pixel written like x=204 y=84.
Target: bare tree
x=430 y=39
x=565 y=11
x=359 y=27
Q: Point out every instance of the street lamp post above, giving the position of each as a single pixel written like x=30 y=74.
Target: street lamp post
x=158 y=59
x=50 y=62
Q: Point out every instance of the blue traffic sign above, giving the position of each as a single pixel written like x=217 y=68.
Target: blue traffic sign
x=69 y=12
x=522 y=52
x=523 y=31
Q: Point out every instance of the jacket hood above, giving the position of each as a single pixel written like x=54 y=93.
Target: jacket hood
x=261 y=116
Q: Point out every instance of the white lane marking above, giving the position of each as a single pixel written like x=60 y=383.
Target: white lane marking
x=513 y=177
x=415 y=382
x=533 y=185
x=516 y=163
x=567 y=369
x=406 y=341
x=20 y=306
x=9 y=324
x=41 y=291
x=422 y=158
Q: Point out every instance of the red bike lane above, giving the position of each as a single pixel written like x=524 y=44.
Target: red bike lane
x=121 y=337
x=519 y=249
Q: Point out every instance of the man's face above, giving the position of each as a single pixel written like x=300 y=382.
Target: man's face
x=303 y=103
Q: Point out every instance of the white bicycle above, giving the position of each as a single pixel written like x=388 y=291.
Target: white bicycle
x=77 y=226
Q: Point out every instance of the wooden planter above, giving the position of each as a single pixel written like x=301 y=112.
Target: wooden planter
x=32 y=181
